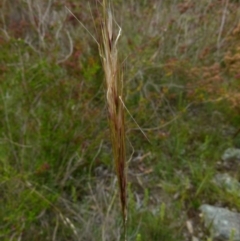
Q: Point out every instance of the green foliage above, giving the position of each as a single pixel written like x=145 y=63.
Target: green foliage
x=152 y=226
x=181 y=81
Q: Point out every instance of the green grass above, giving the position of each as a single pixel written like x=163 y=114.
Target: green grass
x=57 y=179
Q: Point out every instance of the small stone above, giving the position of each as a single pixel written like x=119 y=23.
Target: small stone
x=231 y=154
x=195 y=238
x=227 y=182
x=222 y=223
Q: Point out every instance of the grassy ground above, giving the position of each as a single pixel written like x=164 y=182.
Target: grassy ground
x=181 y=78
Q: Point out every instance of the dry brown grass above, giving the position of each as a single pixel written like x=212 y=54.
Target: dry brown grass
x=114 y=94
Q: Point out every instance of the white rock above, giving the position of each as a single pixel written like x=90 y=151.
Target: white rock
x=227 y=182
x=231 y=154
x=222 y=223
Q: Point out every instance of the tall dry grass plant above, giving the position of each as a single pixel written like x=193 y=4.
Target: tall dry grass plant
x=114 y=94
